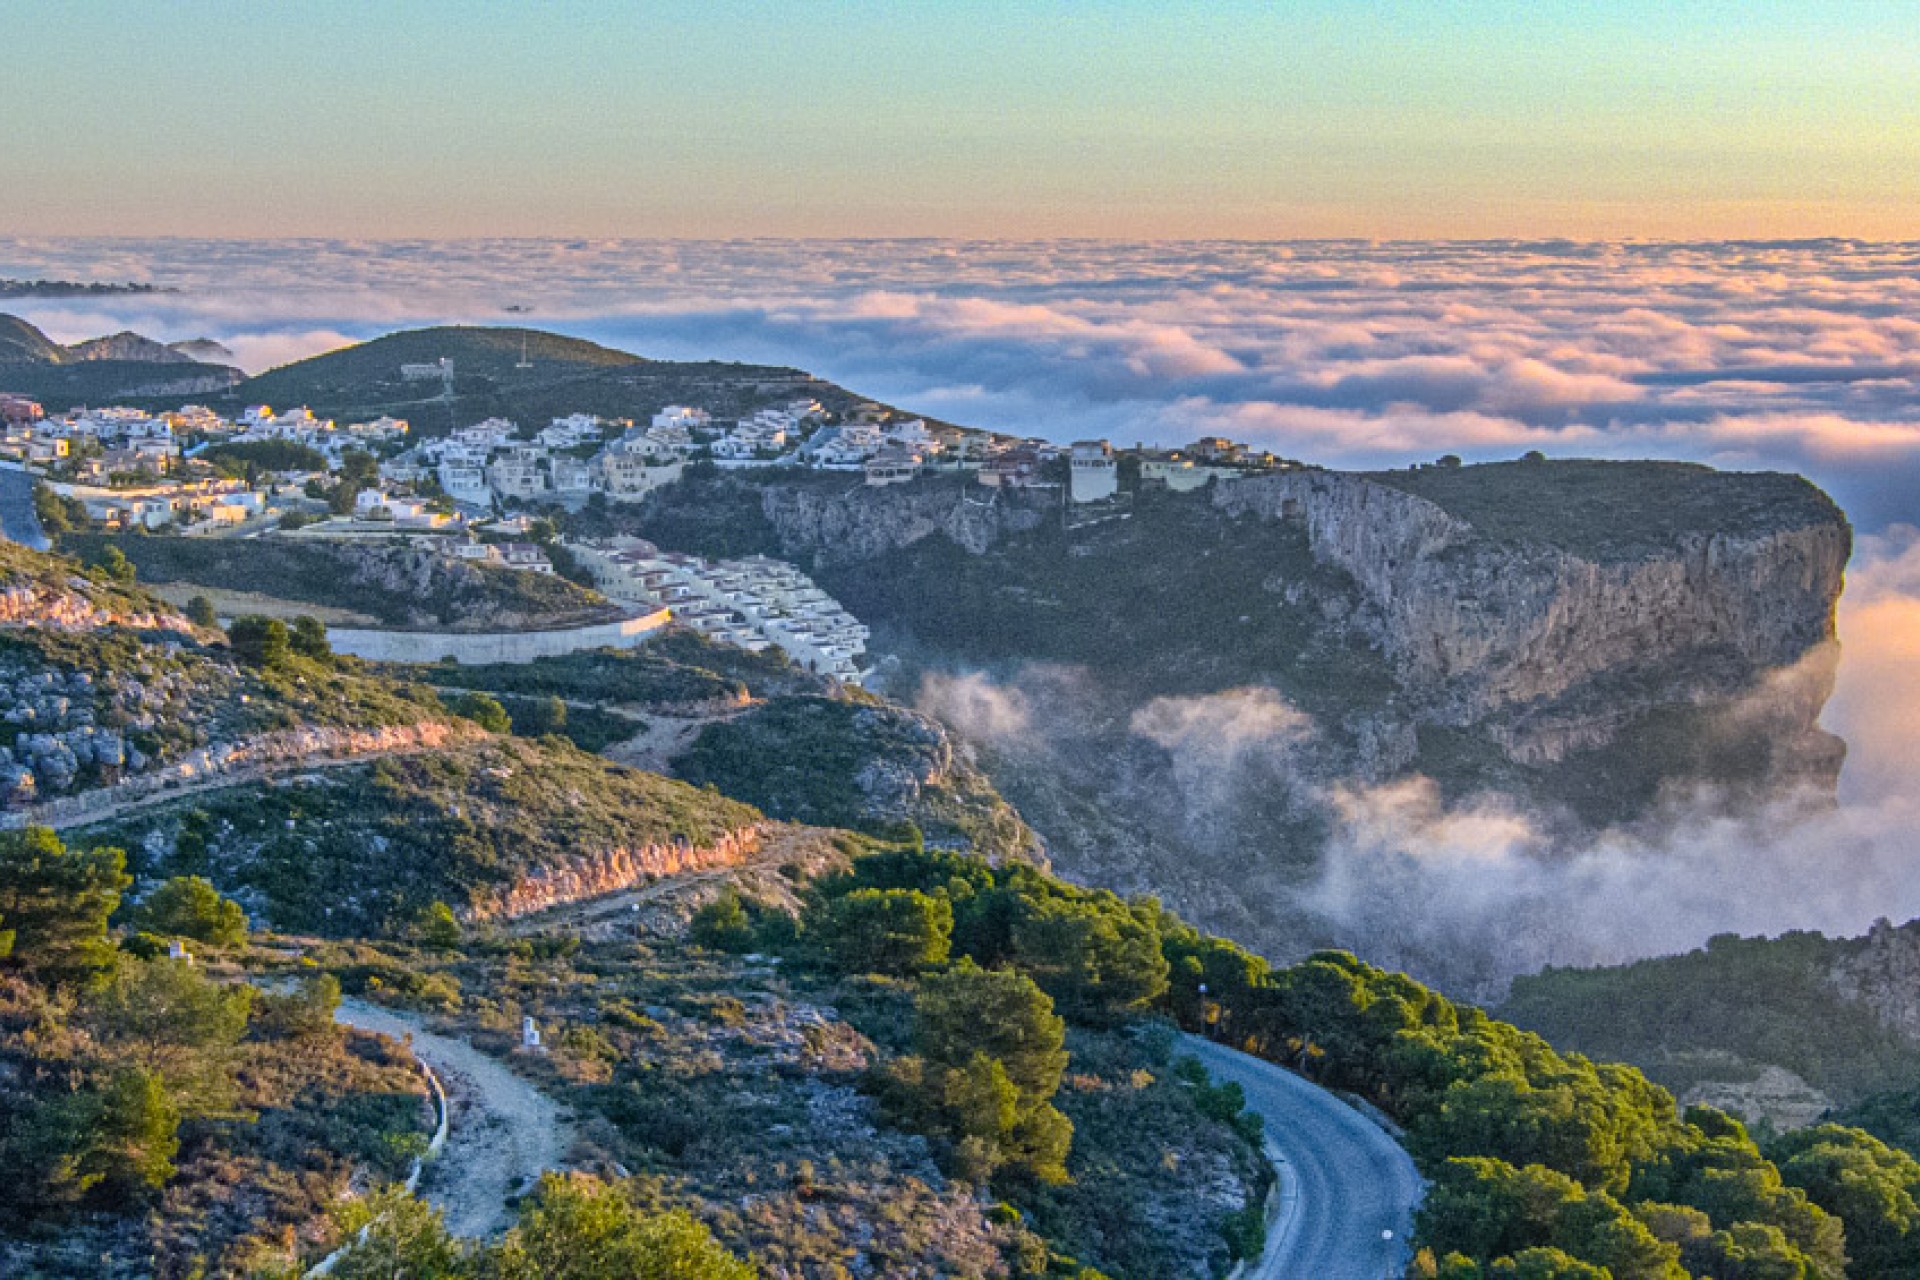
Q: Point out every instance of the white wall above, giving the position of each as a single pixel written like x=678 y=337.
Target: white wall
x=492 y=646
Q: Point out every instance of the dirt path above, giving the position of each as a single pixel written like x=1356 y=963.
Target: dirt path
x=664 y=738
x=60 y=814
x=504 y=1132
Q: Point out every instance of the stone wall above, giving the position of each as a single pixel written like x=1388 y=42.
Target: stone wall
x=493 y=646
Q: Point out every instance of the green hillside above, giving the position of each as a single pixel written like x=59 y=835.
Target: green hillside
x=1722 y=1012
x=563 y=376
x=20 y=342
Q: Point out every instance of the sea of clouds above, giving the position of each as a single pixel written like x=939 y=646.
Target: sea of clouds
x=1803 y=356
x=1800 y=356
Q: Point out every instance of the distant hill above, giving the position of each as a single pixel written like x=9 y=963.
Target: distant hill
x=120 y=366
x=71 y=288
x=126 y=345
x=21 y=342
x=1843 y=1014
x=204 y=350
x=524 y=374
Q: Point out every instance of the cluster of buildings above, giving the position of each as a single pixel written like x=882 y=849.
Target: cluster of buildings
x=756 y=603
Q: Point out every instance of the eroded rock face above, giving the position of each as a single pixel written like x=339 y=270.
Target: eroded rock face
x=42 y=604
x=1883 y=973
x=598 y=873
x=1488 y=632
x=845 y=526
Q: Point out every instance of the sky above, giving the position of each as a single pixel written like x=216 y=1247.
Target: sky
x=990 y=118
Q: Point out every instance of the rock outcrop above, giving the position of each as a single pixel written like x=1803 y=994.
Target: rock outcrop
x=1882 y=971
x=1503 y=634
x=838 y=526
x=598 y=873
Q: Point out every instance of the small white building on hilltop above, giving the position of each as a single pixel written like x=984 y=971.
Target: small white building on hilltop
x=1095 y=471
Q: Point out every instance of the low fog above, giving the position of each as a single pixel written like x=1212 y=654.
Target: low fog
x=1471 y=893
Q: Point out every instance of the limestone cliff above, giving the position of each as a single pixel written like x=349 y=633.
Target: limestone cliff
x=841 y=527
x=1882 y=971
x=1500 y=632
x=597 y=873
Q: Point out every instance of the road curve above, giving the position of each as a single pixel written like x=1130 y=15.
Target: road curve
x=1343 y=1181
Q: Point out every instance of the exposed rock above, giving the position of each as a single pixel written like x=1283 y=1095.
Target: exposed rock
x=844 y=526
x=1478 y=627
x=1882 y=972
x=1776 y=1094
x=596 y=874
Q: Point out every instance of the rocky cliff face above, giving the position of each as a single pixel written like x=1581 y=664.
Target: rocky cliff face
x=1479 y=628
x=595 y=874
x=77 y=604
x=1883 y=972
x=840 y=527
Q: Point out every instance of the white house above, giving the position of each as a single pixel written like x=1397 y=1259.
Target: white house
x=1096 y=474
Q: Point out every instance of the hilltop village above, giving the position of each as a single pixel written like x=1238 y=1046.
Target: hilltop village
x=485 y=492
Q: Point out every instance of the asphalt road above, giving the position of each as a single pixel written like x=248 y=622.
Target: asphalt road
x=18 y=521
x=1343 y=1181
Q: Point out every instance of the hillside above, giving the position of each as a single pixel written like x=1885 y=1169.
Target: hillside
x=123 y=366
x=564 y=375
x=105 y=689
x=493 y=829
x=762 y=730
x=1176 y=699
x=1841 y=1014
x=22 y=343
x=400 y=587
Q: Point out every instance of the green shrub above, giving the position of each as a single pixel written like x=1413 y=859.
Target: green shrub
x=190 y=907
x=893 y=931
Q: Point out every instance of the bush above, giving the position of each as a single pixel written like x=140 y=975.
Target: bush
x=723 y=924
x=893 y=931
x=189 y=907
x=305 y=1011
x=260 y=642
x=439 y=928
x=200 y=613
x=309 y=639
x=484 y=710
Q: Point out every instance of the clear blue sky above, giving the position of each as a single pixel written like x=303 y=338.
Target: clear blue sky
x=992 y=117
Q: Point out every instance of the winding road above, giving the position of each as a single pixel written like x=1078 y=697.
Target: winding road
x=1344 y=1182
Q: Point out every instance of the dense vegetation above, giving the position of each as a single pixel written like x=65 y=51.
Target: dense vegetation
x=1722 y=1010
x=140 y=1093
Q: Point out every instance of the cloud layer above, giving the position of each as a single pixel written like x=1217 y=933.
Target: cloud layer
x=1803 y=356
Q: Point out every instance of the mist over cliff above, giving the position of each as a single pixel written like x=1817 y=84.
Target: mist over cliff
x=1469 y=721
